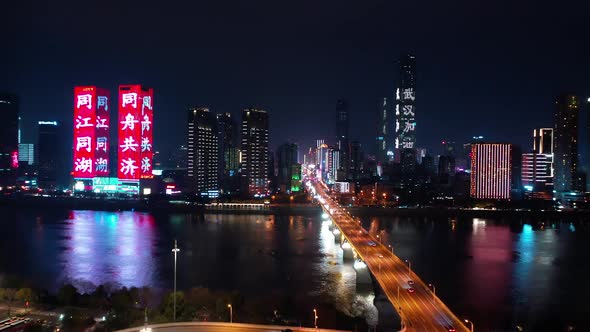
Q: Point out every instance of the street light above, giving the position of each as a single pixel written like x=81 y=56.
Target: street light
x=409 y=266
x=231 y=313
x=471 y=323
x=175 y=251
x=433 y=289
x=390 y=247
x=379 y=239
x=315 y=318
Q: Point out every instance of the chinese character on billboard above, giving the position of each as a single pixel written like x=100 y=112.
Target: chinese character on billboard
x=146 y=121
x=129 y=128
x=101 y=150
x=84 y=131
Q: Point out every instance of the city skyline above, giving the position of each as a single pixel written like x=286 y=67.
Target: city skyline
x=299 y=76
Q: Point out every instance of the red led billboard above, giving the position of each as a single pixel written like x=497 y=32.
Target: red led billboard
x=129 y=128
x=84 y=133
x=101 y=154
x=147 y=118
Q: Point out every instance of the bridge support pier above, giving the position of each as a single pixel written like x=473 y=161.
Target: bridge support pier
x=388 y=318
x=337 y=235
x=347 y=251
x=363 y=276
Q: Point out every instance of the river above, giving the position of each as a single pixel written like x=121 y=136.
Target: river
x=496 y=273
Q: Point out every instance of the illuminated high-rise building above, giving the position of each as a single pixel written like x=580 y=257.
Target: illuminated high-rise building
x=203 y=152
x=286 y=159
x=491 y=170
x=537 y=166
x=385 y=133
x=229 y=154
x=255 y=155
x=565 y=143
x=356 y=160
x=49 y=154
x=332 y=164
x=405 y=110
x=342 y=137
x=8 y=139
x=26 y=154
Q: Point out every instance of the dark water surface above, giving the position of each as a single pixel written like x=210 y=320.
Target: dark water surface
x=496 y=273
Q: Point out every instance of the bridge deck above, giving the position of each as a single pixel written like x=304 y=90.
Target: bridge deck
x=420 y=310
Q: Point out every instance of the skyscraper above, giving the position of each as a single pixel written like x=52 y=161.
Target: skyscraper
x=342 y=137
x=385 y=133
x=229 y=154
x=8 y=139
x=537 y=166
x=286 y=159
x=203 y=153
x=565 y=143
x=255 y=154
x=405 y=110
x=491 y=170
x=49 y=154
x=356 y=160
x=26 y=154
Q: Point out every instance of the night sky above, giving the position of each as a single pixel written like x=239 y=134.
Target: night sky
x=488 y=69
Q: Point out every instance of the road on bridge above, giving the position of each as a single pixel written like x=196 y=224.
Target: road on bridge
x=419 y=310
x=220 y=327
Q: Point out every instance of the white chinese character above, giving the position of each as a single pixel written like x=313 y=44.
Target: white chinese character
x=146 y=102
x=129 y=98
x=409 y=94
x=101 y=144
x=408 y=110
x=129 y=144
x=396 y=126
x=103 y=101
x=397 y=109
x=410 y=126
x=145 y=165
x=101 y=165
x=83 y=165
x=145 y=123
x=397 y=94
x=407 y=145
x=397 y=143
x=101 y=123
x=128 y=167
x=145 y=144
x=83 y=122
x=129 y=122
x=84 y=142
x=84 y=100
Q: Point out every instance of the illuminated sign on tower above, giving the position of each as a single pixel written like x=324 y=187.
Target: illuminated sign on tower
x=91 y=122
x=135 y=147
x=405 y=112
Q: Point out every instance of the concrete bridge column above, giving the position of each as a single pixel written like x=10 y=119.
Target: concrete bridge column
x=348 y=252
x=363 y=276
x=337 y=235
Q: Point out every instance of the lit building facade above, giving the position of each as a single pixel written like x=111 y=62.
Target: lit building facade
x=565 y=143
x=203 y=152
x=537 y=166
x=91 y=133
x=286 y=160
x=343 y=137
x=229 y=154
x=332 y=164
x=491 y=170
x=26 y=154
x=385 y=133
x=9 y=111
x=405 y=110
x=135 y=132
x=255 y=155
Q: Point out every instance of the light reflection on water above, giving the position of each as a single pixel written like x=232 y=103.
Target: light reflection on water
x=104 y=247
